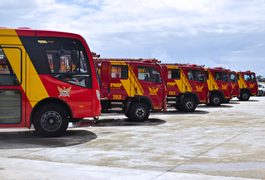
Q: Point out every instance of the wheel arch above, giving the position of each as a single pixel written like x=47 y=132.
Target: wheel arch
x=144 y=99
x=247 y=90
x=192 y=95
x=51 y=100
x=219 y=92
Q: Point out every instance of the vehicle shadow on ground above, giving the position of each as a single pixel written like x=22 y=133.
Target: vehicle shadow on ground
x=120 y=122
x=251 y=100
x=29 y=139
x=170 y=112
x=221 y=106
x=233 y=102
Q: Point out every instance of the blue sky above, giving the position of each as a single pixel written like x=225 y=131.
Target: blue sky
x=227 y=33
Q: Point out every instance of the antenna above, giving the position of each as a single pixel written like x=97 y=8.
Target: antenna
x=129 y=54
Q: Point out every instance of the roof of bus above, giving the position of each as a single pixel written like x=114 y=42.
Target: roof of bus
x=25 y=31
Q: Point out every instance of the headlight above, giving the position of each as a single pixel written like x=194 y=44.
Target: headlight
x=98 y=94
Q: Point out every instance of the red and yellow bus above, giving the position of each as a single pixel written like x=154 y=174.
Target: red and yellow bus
x=47 y=79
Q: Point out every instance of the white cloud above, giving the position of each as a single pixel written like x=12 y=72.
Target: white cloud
x=192 y=31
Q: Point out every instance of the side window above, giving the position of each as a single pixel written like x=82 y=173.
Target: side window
x=253 y=78
x=237 y=76
x=233 y=77
x=221 y=76
x=10 y=69
x=119 y=71
x=70 y=65
x=207 y=74
x=190 y=75
x=249 y=77
x=196 y=75
x=149 y=74
x=173 y=74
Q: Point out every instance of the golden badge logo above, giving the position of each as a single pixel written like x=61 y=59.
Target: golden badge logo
x=224 y=87
x=251 y=85
x=153 y=91
x=199 y=88
x=64 y=92
x=233 y=86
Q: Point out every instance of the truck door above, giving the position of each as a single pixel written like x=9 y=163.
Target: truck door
x=198 y=83
x=250 y=80
x=151 y=84
x=234 y=84
x=173 y=76
x=223 y=82
x=119 y=87
x=12 y=82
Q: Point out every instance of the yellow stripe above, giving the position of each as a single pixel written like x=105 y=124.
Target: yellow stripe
x=6 y=117
x=132 y=83
x=241 y=82
x=183 y=83
x=34 y=87
x=212 y=84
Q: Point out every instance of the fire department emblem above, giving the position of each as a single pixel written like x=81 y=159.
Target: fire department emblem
x=224 y=87
x=251 y=85
x=64 y=92
x=199 y=88
x=153 y=91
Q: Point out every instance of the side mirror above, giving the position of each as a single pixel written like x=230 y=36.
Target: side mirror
x=61 y=52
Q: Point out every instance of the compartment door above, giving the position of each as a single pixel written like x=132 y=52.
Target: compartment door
x=12 y=93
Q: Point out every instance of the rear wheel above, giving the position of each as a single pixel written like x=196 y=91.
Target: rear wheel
x=139 y=112
x=50 y=120
x=215 y=100
x=188 y=105
x=244 y=96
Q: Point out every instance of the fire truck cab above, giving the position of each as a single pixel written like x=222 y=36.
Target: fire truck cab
x=219 y=84
x=248 y=85
x=186 y=86
x=137 y=87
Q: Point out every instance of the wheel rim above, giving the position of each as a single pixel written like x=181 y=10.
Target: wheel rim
x=216 y=100
x=245 y=96
x=189 y=105
x=140 y=112
x=51 y=121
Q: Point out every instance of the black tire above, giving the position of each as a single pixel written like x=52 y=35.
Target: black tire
x=244 y=96
x=50 y=120
x=226 y=101
x=178 y=107
x=215 y=100
x=127 y=114
x=139 y=112
x=188 y=105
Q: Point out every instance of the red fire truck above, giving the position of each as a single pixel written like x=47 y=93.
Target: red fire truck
x=186 y=86
x=135 y=85
x=219 y=84
x=248 y=85
x=47 y=79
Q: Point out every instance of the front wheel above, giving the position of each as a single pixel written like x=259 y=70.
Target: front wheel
x=139 y=112
x=215 y=100
x=188 y=105
x=50 y=120
x=244 y=96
